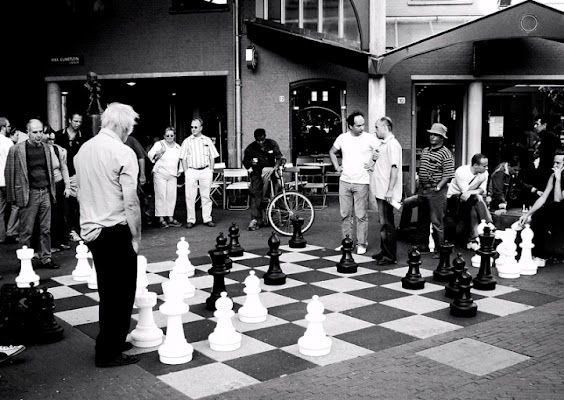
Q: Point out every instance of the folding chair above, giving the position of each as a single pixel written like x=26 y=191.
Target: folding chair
x=314 y=184
x=217 y=182
x=235 y=181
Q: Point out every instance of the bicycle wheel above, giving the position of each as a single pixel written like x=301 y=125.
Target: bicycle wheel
x=286 y=206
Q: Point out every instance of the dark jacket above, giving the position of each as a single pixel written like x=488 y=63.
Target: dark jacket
x=267 y=156
x=505 y=186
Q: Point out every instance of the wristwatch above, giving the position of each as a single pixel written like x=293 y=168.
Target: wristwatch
x=437 y=189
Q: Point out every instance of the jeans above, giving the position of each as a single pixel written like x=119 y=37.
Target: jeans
x=116 y=270
x=198 y=178
x=388 y=239
x=2 y=209
x=354 y=196
x=38 y=209
x=408 y=205
x=59 y=226
x=477 y=210
x=431 y=210
x=260 y=186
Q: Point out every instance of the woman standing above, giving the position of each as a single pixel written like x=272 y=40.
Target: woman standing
x=165 y=154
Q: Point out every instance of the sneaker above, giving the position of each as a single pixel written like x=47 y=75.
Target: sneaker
x=119 y=361
x=361 y=249
x=7 y=352
x=253 y=225
x=74 y=236
x=189 y=225
x=541 y=262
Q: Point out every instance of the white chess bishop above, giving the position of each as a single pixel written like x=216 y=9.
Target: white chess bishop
x=315 y=342
x=252 y=311
x=224 y=337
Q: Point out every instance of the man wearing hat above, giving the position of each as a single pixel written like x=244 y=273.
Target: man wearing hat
x=435 y=172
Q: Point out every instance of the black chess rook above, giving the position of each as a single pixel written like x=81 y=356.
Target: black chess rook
x=297 y=241
x=458 y=266
x=413 y=279
x=274 y=276
x=347 y=265
x=235 y=249
x=444 y=272
x=485 y=280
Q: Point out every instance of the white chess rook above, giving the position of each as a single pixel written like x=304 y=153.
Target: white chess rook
x=182 y=269
x=527 y=265
x=175 y=349
x=315 y=342
x=82 y=270
x=27 y=275
x=252 y=311
x=146 y=333
x=92 y=280
x=224 y=337
x=506 y=264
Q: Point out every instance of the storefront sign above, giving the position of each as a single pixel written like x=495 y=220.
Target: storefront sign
x=67 y=60
x=496 y=126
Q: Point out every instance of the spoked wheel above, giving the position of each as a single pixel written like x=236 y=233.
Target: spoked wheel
x=286 y=206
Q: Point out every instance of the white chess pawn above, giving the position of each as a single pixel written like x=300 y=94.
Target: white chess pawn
x=527 y=265
x=252 y=311
x=507 y=249
x=224 y=337
x=431 y=240
x=82 y=270
x=27 y=275
x=182 y=269
x=315 y=342
x=92 y=280
x=142 y=281
x=146 y=333
x=175 y=349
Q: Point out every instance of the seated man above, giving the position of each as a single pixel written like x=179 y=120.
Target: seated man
x=547 y=214
x=261 y=157
x=467 y=188
x=506 y=188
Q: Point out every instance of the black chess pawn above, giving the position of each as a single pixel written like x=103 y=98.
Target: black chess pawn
x=221 y=244
x=297 y=241
x=218 y=271
x=235 y=249
x=463 y=305
x=347 y=265
x=458 y=267
x=485 y=280
x=274 y=276
x=444 y=272
x=49 y=329
x=413 y=279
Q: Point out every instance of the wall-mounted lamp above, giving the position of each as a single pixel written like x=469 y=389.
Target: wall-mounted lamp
x=64 y=93
x=131 y=83
x=251 y=57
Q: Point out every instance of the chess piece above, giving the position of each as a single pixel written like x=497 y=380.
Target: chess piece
x=27 y=275
x=146 y=333
x=274 y=276
x=235 y=249
x=347 y=265
x=463 y=305
x=252 y=311
x=142 y=281
x=218 y=270
x=413 y=279
x=82 y=270
x=431 y=240
x=49 y=329
x=315 y=342
x=506 y=264
x=221 y=244
x=175 y=349
x=485 y=280
x=444 y=272
x=297 y=241
x=527 y=265
x=182 y=269
x=458 y=267
x=476 y=259
x=92 y=280
x=224 y=337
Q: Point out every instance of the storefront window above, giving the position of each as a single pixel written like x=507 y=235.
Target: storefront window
x=311 y=14
x=292 y=13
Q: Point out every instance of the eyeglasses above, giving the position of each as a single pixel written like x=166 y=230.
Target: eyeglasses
x=36 y=131
x=194 y=127
x=169 y=135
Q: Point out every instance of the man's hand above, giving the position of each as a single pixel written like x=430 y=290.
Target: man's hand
x=465 y=196
x=389 y=196
x=67 y=193
x=375 y=155
x=558 y=172
x=502 y=206
x=136 y=244
x=142 y=180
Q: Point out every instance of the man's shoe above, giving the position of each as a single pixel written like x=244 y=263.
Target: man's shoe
x=386 y=261
x=127 y=346
x=378 y=256
x=119 y=361
x=361 y=249
x=50 y=264
x=7 y=352
x=211 y=224
x=189 y=225
x=253 y=225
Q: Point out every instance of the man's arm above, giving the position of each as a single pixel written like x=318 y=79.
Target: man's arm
x=393 y=180
x=558 y=184
x=128 y=182
x=334 y=159
x=538 y=204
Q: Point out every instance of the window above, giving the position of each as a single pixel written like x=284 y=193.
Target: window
x=187 y=6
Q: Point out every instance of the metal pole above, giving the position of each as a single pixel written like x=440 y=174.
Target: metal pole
x=238 y=99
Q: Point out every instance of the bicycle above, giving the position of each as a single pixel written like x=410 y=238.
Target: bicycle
x=287 y=205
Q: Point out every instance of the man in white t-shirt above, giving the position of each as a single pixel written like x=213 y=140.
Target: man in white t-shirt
x=468 y=186
x=356 y=148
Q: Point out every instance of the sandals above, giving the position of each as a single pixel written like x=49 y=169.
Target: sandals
x=163 y=224
x=174 y=223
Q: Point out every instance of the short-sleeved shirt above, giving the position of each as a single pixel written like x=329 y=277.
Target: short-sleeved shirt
x=356 y=151
x=390 y=155
x=198 y=151
x=436 y=165
x=463 y=177
x=105 y=167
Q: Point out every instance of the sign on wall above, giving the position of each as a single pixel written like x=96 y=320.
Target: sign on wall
x=496 y=126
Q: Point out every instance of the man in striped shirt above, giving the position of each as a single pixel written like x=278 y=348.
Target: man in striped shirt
x=198 y=154
x=435 y=172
